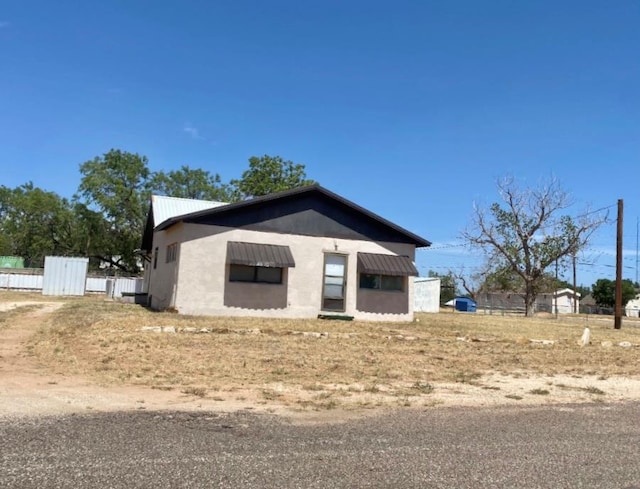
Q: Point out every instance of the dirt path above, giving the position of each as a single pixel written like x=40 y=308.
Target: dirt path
x=29 y=389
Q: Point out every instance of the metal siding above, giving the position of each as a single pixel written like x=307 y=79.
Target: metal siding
x=95 y=284
x=426 y=295
x=386 y=264
x=64 y=276
x=259 y=255
x=20 y=281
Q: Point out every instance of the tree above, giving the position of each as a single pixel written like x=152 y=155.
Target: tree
x=35 y=223
x=116 y=185
x=604 y=292
x=269 y=174
x=189 y=183
x=448 y=289
x=526 y=235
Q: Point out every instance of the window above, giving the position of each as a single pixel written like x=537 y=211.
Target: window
x=247 y=273
x=172 y=252
x=381 y=282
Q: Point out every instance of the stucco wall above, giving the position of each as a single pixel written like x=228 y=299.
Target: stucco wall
x=163 y=278
x=203 y=272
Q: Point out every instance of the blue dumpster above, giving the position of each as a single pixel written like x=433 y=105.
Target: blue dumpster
x=465 y=304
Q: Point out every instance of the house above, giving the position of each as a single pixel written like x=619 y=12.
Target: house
x=514 y=301
x=301 y=253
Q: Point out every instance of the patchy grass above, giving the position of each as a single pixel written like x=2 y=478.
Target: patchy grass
x=103 y=341
x=539 y=392
x=593 y=390
x=195 y=391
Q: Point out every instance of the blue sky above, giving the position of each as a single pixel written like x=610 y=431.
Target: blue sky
x=412 y=109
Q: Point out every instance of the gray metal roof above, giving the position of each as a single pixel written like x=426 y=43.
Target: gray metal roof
x=168 y=207
x=376 y=263
x=259 y=255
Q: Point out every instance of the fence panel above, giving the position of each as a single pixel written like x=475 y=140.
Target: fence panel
x=20 y=281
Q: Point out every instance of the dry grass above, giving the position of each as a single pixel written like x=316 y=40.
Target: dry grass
x=103 y=340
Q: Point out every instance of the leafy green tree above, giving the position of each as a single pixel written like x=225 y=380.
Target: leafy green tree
x=35 y=223
x=190 y=183
x=526 y=235
x=604 y=292
x=269 y=174
x=116 y=185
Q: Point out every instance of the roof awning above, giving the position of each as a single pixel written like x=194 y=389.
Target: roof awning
x=386 y=264
x=259 y=255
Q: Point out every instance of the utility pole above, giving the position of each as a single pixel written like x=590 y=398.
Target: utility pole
x=575 y=287
x=617 y=323
x=637 y=239
x=555 y=294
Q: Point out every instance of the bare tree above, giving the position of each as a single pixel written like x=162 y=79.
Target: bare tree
x=527 y=232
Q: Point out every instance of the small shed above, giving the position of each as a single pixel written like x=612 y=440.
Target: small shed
x=563 y=300
x=465 y=304
x=426 y=294
x=64 y=275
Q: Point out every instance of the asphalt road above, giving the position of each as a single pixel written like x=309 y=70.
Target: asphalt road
x=580 y=446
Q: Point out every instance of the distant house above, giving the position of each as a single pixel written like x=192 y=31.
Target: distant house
x=514 y=301
x=301 y=253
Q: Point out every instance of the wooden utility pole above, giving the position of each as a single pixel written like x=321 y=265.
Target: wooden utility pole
x=617 y=323
x=575 y=287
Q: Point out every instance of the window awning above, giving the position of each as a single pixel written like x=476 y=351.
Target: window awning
x=259 y=255
x=386 y=264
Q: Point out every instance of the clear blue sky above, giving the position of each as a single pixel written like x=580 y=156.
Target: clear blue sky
x=411 y=109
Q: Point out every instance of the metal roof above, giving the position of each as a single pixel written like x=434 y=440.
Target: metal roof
x=259 y=255
x=169 y=207
x=386 y=264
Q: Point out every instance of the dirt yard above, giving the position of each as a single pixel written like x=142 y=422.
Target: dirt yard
x=79 y=355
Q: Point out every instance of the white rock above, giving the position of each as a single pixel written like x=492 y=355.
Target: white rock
x=543 y=342
x=625 y=344
x=586 y=337
x=169 y=329
x=152 y=329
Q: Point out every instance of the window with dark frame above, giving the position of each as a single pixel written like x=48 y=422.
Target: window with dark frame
x=382 y=282
x=172 y=252
x=248 y=273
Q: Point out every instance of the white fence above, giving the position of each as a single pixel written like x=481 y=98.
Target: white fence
x=32 y=280
x=21 y=281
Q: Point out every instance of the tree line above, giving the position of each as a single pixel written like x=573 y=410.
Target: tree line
x=104 y=220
